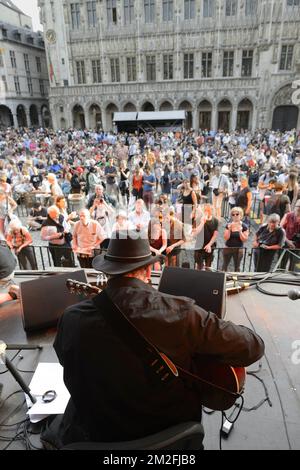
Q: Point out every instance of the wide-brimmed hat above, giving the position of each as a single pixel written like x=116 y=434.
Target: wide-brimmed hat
x=127 y=251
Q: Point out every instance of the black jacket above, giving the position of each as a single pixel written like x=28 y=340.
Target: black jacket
x=113 y=395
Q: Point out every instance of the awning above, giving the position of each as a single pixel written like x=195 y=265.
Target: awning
x=122 y=117
x=150 y=116
x=161 y=116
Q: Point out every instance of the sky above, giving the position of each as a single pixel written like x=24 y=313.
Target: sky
x=29 y=7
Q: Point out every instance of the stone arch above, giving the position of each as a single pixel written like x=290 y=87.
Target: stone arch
x=244 y=114
x=285 y=112
x=205 y=113
x=21 y=116
x=129 y=107
x=78 y=117
x=224 y=114
x=34 y=117
x=285 y=118
x=186 y=106
x=95 y=118
x=166 y=105
x=46 y=116
x=6 y=117
x=111 y=108
x=148 y=106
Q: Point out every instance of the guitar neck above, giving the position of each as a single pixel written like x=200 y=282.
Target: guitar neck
x=81 y=288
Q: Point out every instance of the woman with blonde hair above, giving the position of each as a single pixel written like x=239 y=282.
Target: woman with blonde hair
x=293 y=189
x=235 y=235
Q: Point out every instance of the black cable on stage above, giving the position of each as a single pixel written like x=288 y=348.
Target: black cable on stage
x=20 y=358
x=13 y=412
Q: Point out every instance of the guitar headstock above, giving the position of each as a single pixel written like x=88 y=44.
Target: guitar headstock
x=80 y=288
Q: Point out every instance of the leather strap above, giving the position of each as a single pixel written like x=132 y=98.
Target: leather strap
x=133 y=338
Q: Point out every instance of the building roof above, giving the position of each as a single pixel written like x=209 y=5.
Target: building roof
x=122 y=117
x=161 y=116
x=150 y=116
x=12 y=6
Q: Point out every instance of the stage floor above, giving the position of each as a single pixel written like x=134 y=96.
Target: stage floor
x=274 y=425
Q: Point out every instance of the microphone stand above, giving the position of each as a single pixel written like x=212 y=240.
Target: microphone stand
x=14 y=372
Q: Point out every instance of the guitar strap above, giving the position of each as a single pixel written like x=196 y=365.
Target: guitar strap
x=133 y=338
x=163 y=369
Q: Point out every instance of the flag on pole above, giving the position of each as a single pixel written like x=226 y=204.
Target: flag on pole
x=51 y=70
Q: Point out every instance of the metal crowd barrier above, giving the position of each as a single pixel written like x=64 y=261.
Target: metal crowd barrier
x=186 y=258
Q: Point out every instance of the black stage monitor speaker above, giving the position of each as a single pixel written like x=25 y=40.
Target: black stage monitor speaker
x=207 y=288
x=44 y=300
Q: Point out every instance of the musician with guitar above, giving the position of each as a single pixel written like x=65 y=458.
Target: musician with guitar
x=131 y=355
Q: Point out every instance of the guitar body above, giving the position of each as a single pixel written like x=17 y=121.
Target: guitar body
x=219 y=375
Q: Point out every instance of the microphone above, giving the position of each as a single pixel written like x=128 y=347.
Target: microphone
x=14 y=372
x=294 y=294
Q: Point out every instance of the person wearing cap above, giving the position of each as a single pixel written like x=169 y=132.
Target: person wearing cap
x=115 y=396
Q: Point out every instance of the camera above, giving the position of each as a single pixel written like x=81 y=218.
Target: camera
x=296 y=238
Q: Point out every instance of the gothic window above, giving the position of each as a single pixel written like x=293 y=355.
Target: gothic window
x=228 y=59
x=38 y=64
x=96 y=69
x=131 y=69
x=26 y=63
x=29 y=83
x=188 y=66
x=286 y=57
x=250 y=7
x=189 y=9
x=4 y=81
x=128 y=11
x=247 y=60
x=42 y=87
x=75 y=15
x=208 y=8
x=115 y=70
x=206 y=64
x=168 y=8
x=111 y=6
x=231 y=7
x=80 y=70
x=13 y=59
x=150 y=68
x=17 y=85
x=149 y=6
x=168 y=66
x=92 y=14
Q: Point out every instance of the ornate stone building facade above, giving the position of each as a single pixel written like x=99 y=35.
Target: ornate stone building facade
x=229 y=64
x=24 y=79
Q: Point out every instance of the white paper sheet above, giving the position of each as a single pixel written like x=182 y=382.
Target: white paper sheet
x=48 y=376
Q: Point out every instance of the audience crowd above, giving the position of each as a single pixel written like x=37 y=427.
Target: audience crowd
x=82 y=186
